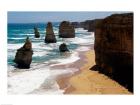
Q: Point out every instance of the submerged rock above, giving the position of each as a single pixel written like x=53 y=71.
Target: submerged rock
x=114 y=48
x=37 y=35
x=63 y=48
x=23 y=56
x=50 y=37
x=66 y=30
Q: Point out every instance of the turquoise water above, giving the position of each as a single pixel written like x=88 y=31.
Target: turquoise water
x=43 y=52
x=41 y=77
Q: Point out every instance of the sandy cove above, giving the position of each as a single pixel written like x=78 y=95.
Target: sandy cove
x=90 y=82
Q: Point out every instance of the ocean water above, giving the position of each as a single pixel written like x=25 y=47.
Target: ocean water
x=40 y=78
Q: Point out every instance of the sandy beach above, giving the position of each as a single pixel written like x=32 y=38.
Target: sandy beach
x=90 y=82
x=56 y=58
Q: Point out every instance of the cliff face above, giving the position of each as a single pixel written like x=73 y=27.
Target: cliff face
x=114 y=48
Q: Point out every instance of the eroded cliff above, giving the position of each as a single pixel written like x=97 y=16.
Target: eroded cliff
x=114 y=48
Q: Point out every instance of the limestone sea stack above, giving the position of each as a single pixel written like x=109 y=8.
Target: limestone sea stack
x=36 y=32
x=63 y=48
x=23 y=56
x=114 y=48
x=50 y=37
x=66 y=30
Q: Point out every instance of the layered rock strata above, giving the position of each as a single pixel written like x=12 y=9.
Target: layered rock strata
x=114 y=48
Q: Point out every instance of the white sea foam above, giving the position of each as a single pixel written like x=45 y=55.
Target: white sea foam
x=34 y=46
x=42 y=46
x=10 y=68
x=27 y=34
x=17 y=38
x=30 y=34
x=85 y=40
x=15 y=46
x=80 y=41
x=55 y=31
x=40 y=53
x=80 y=30
x=41 y=81
x=83 y=48
x=73 y=58
x=25 y=82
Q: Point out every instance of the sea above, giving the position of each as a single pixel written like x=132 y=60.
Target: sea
x=40 y=78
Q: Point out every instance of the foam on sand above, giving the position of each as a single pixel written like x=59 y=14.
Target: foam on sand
x=73 y=58
x=41 y=77
x=41 y=81
x=26 y=82
x=83 y=48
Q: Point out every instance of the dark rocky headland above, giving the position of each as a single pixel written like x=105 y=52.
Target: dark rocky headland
x=113 y=46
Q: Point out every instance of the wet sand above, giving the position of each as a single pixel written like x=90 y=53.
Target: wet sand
x=86 y=81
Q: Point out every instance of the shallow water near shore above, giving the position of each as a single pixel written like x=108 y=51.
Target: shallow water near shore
x=41 y=77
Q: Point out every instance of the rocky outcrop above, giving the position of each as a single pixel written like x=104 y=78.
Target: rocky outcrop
x=87 y=25
x=23 y=56
x=76 y=24
x=114 y=48
x=50 y=37
x=37 y=35
x=66 y=30
x=63 y=48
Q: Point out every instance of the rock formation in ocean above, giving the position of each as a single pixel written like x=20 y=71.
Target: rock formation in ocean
x=114 y=48
x=37 y=35
x=50 y=37
x=23 y=56
x=66 y=30
x=63 y=48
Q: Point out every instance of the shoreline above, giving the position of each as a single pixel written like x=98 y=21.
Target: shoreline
x=86 y=81
x=83 y=80
x=63 y=81
x=42 y=87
